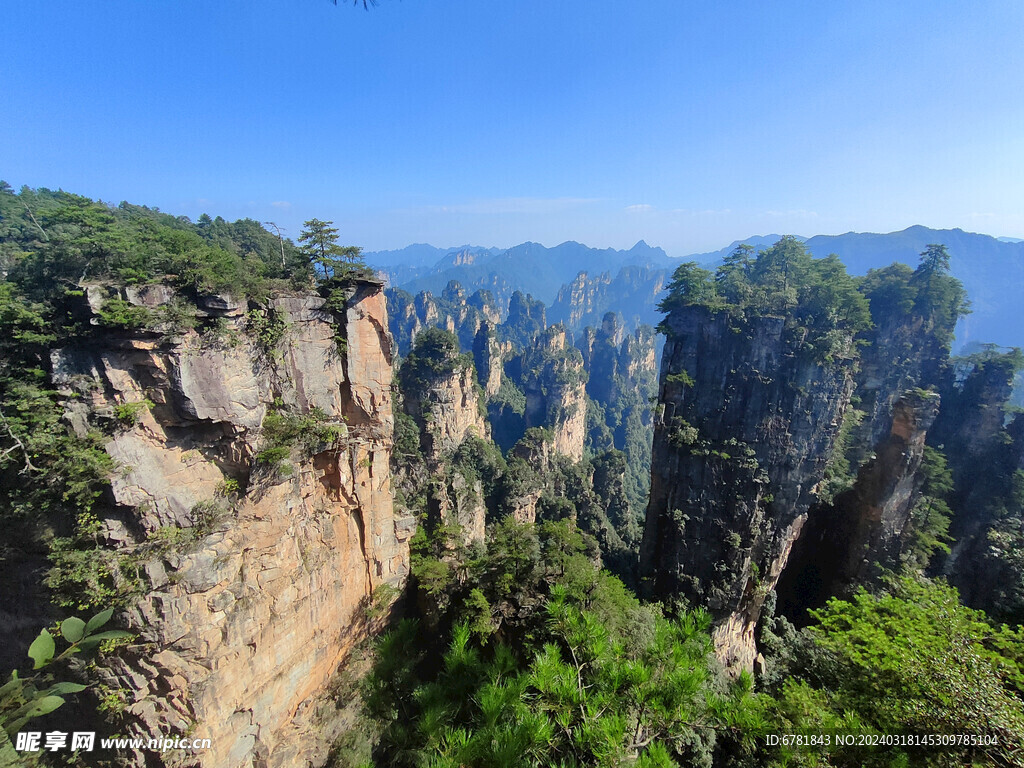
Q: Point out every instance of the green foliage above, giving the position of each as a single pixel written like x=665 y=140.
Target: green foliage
x=407 y=438
x=435 y=355
x=267 y=328
x=48 y=474
x=25 y=698
x=940 y=297
x=911 y=660
x=690 y=286
x=581 y=695
x=283 y=430
x=505 y=410
x=86 y=240
x=331 y=261
x=928 y=528
x=548 y=661
x=839 y=472
x=928 y=292
x=821 y=303
x=479 y=459
x=204 y=518
x=682 y=434
x=682 y=378
x=128 y=414
x=118 y=313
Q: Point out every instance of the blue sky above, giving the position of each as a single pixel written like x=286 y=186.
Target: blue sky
x=452 y=121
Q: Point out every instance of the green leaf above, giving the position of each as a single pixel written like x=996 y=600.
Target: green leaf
x=45 y=706
x=11 y=685
x=62 y=688
x=73 y=628
x=15 y=725
x=98 y=620
x=42 y=649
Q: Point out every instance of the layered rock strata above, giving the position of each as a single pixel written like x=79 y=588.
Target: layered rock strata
x=256 y=578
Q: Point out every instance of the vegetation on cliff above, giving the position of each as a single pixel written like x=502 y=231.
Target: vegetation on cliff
x=521 y=648
x=529 y=655
x=67 y=261
x=818 y=299
x=908 y=659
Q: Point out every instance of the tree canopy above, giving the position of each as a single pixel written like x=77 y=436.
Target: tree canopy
x=331 y=260
x=814 y=295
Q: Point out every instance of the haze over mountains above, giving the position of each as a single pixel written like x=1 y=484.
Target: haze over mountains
x=629 y=281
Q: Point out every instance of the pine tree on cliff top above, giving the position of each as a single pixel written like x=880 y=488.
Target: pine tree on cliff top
x=331 y=260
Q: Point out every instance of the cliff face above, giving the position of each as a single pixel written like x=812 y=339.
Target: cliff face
x=632 y=294
x=983 y=456
x=555 y=386
x=875 y=512
x=255 y=579
x=901 y=354
x=580 y=299
x=747 y=422
x=864 y=529
x=487 y=355
x=447 y=408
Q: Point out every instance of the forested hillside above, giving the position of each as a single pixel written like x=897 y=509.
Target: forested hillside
x=483 y=538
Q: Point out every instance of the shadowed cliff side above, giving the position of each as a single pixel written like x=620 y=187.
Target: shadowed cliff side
x=867 y=528
x=756 y=375
x=743 y=436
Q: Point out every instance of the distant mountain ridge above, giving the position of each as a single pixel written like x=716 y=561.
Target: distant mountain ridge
x=629 y=282
x=529 y=267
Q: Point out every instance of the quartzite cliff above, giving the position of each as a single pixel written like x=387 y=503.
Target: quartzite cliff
x=256 y=570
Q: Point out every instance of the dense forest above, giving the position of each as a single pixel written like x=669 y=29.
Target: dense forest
x=531 y=630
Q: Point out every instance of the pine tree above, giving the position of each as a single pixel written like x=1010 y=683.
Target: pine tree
x=330 y=260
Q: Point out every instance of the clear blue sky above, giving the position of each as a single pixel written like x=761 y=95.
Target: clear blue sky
x=687 y=124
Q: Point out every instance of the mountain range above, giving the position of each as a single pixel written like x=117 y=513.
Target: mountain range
x=992 y=270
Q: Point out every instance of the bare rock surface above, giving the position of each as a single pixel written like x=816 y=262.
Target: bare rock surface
x=260 y=596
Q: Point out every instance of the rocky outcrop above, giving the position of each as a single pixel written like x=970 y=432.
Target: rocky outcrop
x=632 y=295
x=554 y=382
x=537 y=451
x=526 y=319
x=581 y=299
x=256 y=578
x=487 y=356
x=852 y=540
x=616 y=361
x=460 y=502
x=983 y=451
x=902 y=353
x=748 y=418
x=875 y=512
x=453 y=311
x=447 y=409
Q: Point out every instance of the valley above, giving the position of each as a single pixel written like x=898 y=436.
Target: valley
x=491 y=507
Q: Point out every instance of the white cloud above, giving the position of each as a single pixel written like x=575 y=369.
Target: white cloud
x=283 y=204
x=640 y=208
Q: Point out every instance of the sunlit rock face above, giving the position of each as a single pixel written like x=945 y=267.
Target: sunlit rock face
x=262 y=591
